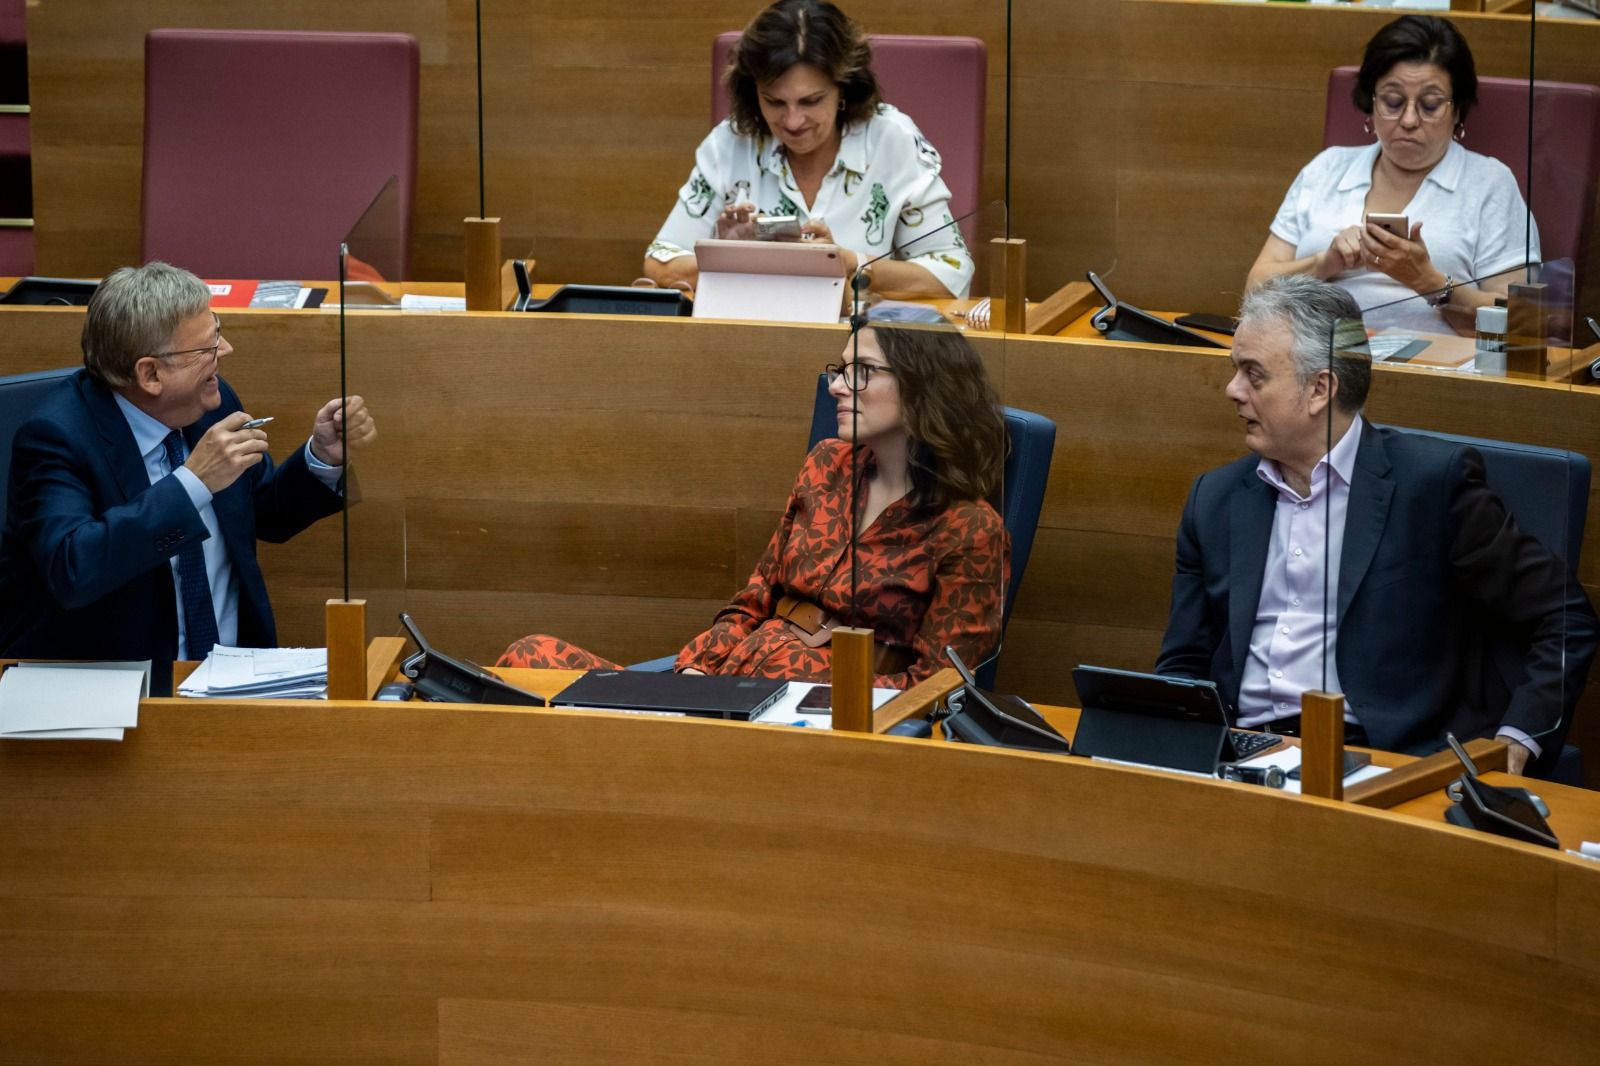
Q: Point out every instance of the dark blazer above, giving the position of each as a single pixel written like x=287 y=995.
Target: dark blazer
x=1434 y=577
x=84 y=554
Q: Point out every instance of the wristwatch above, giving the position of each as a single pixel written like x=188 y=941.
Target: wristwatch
x=1442 y=297
x=862 y=282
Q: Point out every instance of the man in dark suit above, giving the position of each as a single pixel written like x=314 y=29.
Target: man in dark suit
x=1420 y=561
x=138 y=490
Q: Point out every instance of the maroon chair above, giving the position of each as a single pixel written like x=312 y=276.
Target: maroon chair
x=939 y=81
x=1566 y=149
x=263 y=148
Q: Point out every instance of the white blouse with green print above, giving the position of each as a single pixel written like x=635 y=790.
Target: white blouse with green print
x=884 y=192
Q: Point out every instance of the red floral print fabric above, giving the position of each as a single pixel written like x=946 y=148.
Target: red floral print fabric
x=924 y=580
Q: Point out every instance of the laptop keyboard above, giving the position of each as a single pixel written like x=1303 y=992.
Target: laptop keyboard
x=1246 y=743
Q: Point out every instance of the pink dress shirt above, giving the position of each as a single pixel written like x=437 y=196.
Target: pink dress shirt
x=1293 y=617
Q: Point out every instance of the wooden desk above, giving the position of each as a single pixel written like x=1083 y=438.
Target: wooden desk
x=518 y=453
x=1574 y=812
x=1446 y=353
x=277 y=882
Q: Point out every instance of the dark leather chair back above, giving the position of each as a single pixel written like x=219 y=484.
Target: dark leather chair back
x=1547 y=492
x=20 y=396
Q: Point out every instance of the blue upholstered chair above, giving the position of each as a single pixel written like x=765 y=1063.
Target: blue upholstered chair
x=1547 y=492
x=19 y=397
x=1033 y=440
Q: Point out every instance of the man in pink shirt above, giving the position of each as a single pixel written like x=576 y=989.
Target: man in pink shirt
x=1347 y=557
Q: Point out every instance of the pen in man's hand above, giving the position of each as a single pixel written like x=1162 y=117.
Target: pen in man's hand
x=257 y=423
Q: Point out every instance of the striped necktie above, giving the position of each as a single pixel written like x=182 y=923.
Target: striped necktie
x=194 y=589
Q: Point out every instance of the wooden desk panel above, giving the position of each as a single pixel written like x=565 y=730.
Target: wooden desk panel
x=613 y=481
x=604 y=887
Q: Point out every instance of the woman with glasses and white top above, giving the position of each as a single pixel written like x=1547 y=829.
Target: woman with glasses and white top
x=1418 y=84
x=921 y=444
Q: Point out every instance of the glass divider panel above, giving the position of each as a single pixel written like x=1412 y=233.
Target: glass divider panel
x=371 y=375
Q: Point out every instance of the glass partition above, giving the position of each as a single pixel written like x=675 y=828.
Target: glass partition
x=1498 y=632
x=373 y=532
x=919 y=390
x=1451 y=600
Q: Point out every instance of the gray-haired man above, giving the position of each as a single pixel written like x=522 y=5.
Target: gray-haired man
x=138 y=490
x=1418 y=557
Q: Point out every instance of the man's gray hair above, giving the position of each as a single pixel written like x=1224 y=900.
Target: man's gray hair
x=1325 y=328
x=134 y=313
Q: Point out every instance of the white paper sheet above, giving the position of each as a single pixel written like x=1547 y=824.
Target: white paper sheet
x=786 y=710
x=72 y=701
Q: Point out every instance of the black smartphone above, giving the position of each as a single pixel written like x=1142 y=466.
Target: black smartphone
x=817 y=701
x=1353 y=761
x=1214 y=323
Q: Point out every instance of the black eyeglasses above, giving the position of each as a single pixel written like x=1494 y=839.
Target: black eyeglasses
x=857 y=376
x=210 y=349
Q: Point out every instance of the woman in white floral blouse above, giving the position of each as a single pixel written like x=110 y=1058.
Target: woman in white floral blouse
x=809 y=136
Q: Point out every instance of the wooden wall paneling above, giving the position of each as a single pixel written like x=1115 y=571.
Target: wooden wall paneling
x=592 y=117
x=579 y=901
x=1190 y=119
x=590 y=122
x=86 y=77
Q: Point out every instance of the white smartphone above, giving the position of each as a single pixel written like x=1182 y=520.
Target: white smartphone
x=1395 y=225
x=775 y=227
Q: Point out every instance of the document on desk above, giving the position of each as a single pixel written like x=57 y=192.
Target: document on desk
x=786 y=710
x=72 y=701
x=413 y=302
x=260 y=673
x=1286 y=757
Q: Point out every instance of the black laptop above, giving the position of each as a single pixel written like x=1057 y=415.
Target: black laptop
x=1176 y=722
x=702 y=696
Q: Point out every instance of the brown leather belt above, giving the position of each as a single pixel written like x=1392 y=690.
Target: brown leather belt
x=813 y=627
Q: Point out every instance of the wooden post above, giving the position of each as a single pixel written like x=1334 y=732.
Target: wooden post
x=1008 y=275
x=483 y=264
x=852 y=680
x=1322 y=744
x=346 y=622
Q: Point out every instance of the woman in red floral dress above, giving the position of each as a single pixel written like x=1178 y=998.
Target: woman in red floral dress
x=930 y=558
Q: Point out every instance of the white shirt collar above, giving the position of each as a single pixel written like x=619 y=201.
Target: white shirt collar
x=148 y=432
x=1446 y=173
x=852 y=152
x=1342 y=460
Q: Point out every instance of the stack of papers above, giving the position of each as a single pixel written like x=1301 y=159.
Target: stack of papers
x=71 y=701
x=260 y=673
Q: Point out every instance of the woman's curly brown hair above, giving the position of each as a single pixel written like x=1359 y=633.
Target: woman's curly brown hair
x=951 y=413
x=788 y=32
